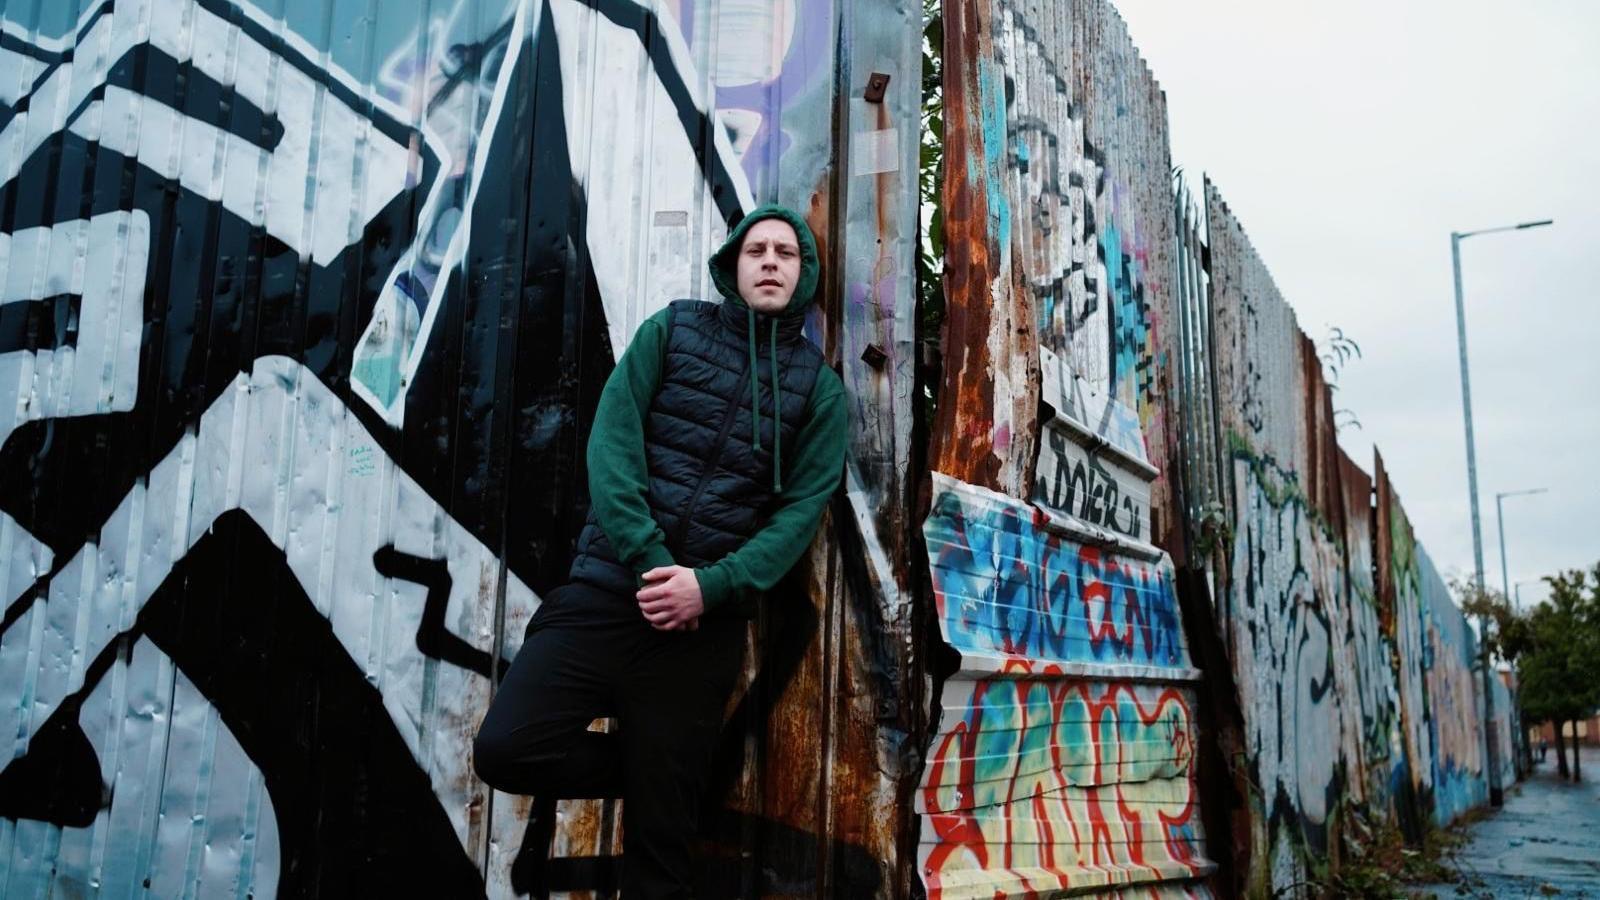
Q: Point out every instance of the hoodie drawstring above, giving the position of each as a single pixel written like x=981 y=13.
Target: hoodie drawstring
x=777 y=419
x=755 y=380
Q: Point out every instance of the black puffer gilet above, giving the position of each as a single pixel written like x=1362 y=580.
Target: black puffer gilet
x=710 y=488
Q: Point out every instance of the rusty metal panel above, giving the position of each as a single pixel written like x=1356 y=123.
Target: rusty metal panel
x=1382 y=763
x=305 y=307
x=1063 y=756
x=1400 y=589
x=837 y=759
x=983 y=430
x=1063 y=212
x=1322 y=478
x=881 y=680
x=842 y=663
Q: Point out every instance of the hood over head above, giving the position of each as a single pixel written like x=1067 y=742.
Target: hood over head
x=724 y=264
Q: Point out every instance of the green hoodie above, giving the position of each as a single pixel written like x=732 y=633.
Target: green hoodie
x=619 y=477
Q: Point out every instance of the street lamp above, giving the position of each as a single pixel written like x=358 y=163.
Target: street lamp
x=1496 y=792
x=1526 y=761
x=1500 y=519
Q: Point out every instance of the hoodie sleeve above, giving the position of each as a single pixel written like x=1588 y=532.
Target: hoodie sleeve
x=619 y=475
x=816 y=470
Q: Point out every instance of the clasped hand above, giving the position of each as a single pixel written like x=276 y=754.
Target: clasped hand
x=671 y=599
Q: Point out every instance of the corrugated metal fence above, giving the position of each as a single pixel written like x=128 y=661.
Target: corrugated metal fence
x=306 y=304
x=1177 y=412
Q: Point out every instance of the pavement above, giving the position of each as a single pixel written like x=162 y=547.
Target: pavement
x=1544 y=842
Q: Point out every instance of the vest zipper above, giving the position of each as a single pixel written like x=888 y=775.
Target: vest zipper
x=705 y=474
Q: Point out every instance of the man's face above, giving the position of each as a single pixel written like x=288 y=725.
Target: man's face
x=769 y=266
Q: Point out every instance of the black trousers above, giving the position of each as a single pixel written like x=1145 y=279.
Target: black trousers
x=590 y=654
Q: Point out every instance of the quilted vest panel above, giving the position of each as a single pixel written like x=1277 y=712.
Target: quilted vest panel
x=710 y=488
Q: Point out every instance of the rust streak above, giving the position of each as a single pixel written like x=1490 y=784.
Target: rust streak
x=817 y=215
x=962 y=440
x=1383 y=560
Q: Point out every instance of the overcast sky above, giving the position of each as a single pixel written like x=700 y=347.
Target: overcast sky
x=1351 y=139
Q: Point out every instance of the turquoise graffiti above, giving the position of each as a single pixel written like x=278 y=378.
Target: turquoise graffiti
x=1410 y=639
x=1455 y=722
x=992 y=85
x=1132 y=368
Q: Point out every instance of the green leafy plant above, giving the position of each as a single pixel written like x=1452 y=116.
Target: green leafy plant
x=930 y=172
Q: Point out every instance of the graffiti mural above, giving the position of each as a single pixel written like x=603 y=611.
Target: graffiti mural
x=1377 y=700
x=1286 y=606
x=305 y=308
x=1118 y=356
x=1050 y=514
x=224 y=435
x=1284 y=569
x=1352 y=664
x=1051 y=770
x=292 y=298
x=1006 y=585
x=1455 y=721
x=1045 y=785
x=1400 y=580
x=769 y=67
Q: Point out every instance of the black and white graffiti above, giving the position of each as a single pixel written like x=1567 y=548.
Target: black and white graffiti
x=306 y=319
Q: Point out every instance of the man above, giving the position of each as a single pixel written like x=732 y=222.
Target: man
x=716 y=444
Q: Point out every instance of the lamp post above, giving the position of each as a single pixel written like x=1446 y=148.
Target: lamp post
x=1500 y=519
x=1496 y=791
x=1525 y=752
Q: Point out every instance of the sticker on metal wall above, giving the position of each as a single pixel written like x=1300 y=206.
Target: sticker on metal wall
x=874 y=152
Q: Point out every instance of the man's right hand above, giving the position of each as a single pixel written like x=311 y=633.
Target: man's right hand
x=670 y=599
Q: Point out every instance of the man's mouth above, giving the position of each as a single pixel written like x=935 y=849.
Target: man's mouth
x=769 y=282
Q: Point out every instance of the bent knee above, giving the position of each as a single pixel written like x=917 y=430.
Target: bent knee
x=517 y=762
x=494 y=758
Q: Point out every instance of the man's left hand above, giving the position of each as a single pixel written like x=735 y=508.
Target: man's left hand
x=671 y=599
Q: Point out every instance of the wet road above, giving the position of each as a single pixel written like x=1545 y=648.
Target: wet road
x=1544 y=842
